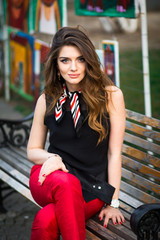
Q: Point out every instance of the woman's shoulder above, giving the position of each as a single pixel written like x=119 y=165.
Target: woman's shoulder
x=41 y=103
x=40 y=107
x=114 y=92
x=115 y=103
x=41 y=99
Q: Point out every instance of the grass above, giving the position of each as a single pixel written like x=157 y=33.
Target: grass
x=155 y=81
x=131 y=80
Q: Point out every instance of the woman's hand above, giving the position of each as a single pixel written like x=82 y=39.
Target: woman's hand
x=52 y=164
x=111 y=213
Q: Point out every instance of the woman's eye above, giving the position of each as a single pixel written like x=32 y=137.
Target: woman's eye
x=64 y=60
x=81 y=59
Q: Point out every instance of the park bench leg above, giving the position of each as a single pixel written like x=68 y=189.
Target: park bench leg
x=2 y=208
x=4 y=195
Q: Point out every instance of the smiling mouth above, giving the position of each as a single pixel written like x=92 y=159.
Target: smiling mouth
x=74 y=75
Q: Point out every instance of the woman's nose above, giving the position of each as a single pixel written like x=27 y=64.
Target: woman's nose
x=73 y=66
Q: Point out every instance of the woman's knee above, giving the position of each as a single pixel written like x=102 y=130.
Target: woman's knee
x=63 y=180
x=45 y=222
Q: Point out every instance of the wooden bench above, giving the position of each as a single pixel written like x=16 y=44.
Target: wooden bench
x=140 y=186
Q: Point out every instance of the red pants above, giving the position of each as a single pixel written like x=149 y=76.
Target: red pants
x=64 y=209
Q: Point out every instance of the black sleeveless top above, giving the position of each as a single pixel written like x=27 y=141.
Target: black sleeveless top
x=80 y=152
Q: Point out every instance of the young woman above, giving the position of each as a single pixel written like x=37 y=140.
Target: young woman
x=85 y=116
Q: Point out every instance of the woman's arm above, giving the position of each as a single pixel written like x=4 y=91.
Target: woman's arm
x=116 y=109
x=36 y=143
x=117 y=114
x=35 y=149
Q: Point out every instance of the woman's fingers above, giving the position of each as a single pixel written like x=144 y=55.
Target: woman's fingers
x=106 y=220
x=64 y=169
x=42 y=175
x=50 y=166
x=115 y=220
x=121 y=218
x=41 y=180
x=101 y=215
x=110 y=213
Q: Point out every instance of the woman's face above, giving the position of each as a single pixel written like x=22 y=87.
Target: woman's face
x=71 y=65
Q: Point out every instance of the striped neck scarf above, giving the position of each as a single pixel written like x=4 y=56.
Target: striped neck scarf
x=74 y=105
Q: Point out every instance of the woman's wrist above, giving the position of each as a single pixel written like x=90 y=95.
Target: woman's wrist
x=53 y=155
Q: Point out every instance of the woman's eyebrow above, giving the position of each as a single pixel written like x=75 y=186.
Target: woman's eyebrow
x=63 y=57
x=69 y=57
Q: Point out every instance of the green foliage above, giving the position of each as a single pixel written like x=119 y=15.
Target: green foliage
x=131 y=80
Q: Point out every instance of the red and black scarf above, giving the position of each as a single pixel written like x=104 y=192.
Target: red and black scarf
x=74 y=105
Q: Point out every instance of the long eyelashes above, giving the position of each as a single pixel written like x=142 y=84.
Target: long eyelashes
x=81 y=59
x=66 y=60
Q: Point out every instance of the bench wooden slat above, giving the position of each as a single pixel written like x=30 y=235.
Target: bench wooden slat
x=91 y=236
x=126 y=215
x=138 y=154
x=19 y=165
x=126 y=224
x=14 y=173
x=149 y=146
x=145 y=132
x=138 y=194
x=147 y=184
x=128 y=209
x=16 y=185
x=22 y=159
x=101 y=231
x=112 y=231
x=129 y=202
x=17 y=155
x=153 y=122
x=21 y=151
x=141 y=168
x=122 y=230
x=115 y=229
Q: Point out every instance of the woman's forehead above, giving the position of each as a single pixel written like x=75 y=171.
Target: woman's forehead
x=69 y=51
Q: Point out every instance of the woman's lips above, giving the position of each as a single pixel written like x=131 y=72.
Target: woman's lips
x=74 y=75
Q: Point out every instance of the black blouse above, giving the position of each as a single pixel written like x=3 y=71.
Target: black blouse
x=80 y=152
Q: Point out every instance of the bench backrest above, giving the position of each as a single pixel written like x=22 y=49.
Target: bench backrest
x=141 y=158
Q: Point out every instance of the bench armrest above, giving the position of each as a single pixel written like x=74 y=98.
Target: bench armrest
x=145 y=221
x=15 y=132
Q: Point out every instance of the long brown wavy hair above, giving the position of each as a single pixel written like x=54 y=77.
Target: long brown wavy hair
x=93 y=85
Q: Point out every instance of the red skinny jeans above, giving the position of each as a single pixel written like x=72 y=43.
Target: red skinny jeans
x=64 y=208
